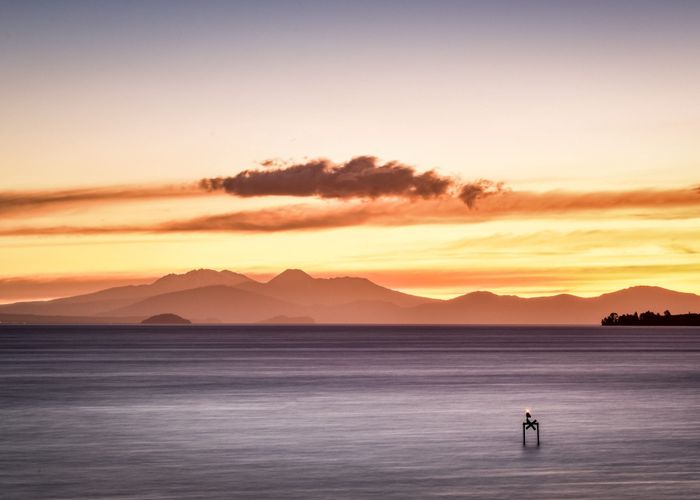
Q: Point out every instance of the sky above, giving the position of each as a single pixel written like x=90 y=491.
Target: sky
x=442 y=147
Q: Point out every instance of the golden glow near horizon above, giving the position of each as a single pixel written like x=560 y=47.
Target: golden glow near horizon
x=521 y=257
x=560 y=108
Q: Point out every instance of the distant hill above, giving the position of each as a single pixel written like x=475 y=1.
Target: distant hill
x=204 y=295
x=486 y=307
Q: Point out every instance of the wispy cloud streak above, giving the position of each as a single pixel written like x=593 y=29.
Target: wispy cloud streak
x=500 y=204
x=22 y=202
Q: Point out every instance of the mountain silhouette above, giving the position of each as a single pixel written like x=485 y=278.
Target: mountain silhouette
x=204 y=295
x=103 y=301
x=296 y=286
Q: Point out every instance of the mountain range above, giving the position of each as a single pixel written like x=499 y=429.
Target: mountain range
x=207 y=296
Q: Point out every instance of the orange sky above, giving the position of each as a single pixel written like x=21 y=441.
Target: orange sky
x=570 y=130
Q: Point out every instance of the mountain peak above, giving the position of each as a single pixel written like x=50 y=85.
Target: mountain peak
x=479 y=294
x=202 y=277
x=291 y=276
x=189 y=274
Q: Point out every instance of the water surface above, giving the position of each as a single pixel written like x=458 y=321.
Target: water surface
x=348 y=412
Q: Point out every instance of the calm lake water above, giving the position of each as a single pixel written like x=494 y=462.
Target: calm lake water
x=348 y=412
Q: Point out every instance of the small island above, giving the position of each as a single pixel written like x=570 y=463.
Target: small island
x=651 y=319
x=166 y=319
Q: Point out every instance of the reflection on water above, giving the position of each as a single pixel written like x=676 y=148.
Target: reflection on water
x=348 y=412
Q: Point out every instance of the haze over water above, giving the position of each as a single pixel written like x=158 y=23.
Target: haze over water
x=348 y=412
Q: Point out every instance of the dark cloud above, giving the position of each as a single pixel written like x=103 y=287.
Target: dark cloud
x=369 y=193
x=361 y=177
x=482 y=188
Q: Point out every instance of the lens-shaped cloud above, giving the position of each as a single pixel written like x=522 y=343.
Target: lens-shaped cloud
x=361 y=177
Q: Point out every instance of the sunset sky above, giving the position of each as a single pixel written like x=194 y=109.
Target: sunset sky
x=437 y=147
